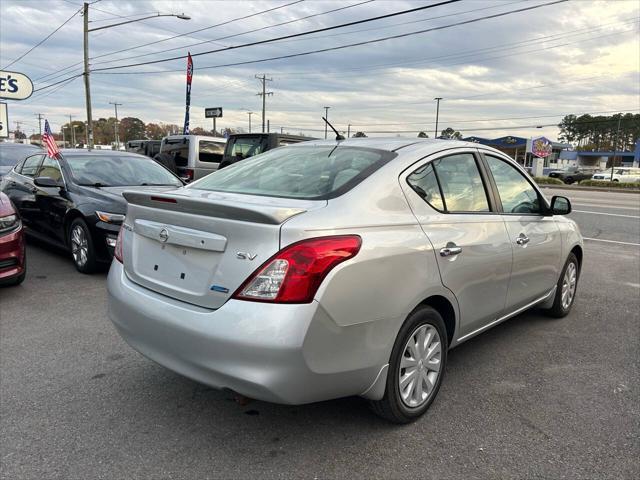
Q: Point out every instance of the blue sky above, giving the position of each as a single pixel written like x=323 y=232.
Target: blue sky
x=519 y=70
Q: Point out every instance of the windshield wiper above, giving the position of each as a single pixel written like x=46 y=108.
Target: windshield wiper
x=157 y=184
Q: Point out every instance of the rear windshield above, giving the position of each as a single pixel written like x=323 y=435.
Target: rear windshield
x=118 y=171
x=245 y=147
x=179 y=149
x=210 y=151
x=310 y=172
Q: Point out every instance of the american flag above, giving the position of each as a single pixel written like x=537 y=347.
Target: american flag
x=49 y=141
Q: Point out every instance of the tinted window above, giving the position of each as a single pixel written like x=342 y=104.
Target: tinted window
x=49 y=168
x=210 y=151
x=461 y=183
x=516 y=193
x=30 y=166
x=118 y=171
x=245 y=147
x=298 y=172
x=425 y=184
x=179 y=149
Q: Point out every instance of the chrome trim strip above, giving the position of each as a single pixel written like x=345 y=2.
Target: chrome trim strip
x=506 y=317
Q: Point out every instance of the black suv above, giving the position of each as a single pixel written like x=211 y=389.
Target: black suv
x=573 y=174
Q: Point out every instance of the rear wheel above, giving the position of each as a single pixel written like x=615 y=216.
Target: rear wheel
x=566 y=288
x=82 y=248
x=568 y=181
x=416 y=367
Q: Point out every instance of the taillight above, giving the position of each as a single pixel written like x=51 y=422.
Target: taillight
x=117 y=252
x=295 y=273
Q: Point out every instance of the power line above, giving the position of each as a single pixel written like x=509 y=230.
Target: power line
x=226 y=22
x=294 y=35
x=237 y=34
x=340 y=47
x=41 y=41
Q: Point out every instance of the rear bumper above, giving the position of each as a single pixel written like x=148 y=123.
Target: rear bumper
x=12 y=255
x=276 y=353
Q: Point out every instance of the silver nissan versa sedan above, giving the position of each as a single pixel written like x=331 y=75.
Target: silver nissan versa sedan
x=336 y=268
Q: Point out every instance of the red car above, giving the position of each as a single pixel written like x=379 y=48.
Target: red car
x=13 y=265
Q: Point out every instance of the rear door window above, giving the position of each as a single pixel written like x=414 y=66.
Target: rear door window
x=210 y=152
x=453 y=184
x=314 y=173
x=30 y=165
x=179 y=149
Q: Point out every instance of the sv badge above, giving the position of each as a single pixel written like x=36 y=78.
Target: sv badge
x=246 y=256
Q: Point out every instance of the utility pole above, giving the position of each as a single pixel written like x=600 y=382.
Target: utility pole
x=326 y=116
x=73 y=132
x=40 y=117
x=349 y=131
x=615 y=148
x=268 y=126
x=281 y=130
x=87 y=86
x=249 y=113
x=264 y=94
x=64 y=141
x=437 y=114
x=17 y=127
x=115 y=127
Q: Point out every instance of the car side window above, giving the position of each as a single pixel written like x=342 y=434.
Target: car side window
x=50 y=168
x=30 y=166
x=453 y=186
x=516 y=193
x=424 y=183
x=210 y=151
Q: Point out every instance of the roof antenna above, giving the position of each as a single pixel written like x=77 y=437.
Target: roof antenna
x=338 y=136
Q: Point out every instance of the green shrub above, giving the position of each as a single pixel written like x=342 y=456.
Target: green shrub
x=606 y=184
x=547 y=181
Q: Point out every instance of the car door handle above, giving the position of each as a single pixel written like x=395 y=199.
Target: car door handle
x=450 y=251
x=522 y=239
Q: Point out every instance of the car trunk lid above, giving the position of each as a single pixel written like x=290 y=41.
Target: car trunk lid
x=199 y=246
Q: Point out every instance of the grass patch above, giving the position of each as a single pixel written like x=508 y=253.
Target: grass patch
x=606 y=184
x=547 y=181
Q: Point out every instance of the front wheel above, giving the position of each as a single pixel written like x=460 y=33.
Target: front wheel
x=416 y=367
x=568 y=181
x=82 y=248
x=566 y=288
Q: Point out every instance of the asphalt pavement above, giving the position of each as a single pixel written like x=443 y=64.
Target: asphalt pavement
x=531 y=398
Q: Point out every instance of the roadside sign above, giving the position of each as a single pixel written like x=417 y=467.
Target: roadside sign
x=4 y=121
x=214 y=112
x=15 y=86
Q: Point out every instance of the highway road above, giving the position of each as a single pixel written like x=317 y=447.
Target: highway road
x=531 y=398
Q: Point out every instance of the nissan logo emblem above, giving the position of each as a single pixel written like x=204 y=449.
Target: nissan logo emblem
x=164 y=235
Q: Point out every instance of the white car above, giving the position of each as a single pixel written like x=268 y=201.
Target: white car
x=621 y=174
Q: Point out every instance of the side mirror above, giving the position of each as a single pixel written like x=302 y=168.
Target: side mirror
x=47 y=182
x=560 y=205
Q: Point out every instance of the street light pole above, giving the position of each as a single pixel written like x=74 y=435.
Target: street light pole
x=86 y=72
x=87 y=86
x=437 y=114
x=326 y=115
x=249 y=113
x=115 y=127
x=615 y=148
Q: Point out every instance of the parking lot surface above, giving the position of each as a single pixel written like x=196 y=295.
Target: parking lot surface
x=533 y=397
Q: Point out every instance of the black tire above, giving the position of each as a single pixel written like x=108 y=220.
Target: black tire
x=557 y=310
x=616 y=180
x=91 y=263
x=568 y=181
x=391 y=406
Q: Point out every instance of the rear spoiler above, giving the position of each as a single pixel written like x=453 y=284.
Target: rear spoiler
x=232 y=210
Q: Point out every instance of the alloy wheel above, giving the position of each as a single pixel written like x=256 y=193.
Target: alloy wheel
x=569 y=285
x=79 y=245
x=420 y=366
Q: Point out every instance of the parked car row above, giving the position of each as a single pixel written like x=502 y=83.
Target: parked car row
x=577 y=174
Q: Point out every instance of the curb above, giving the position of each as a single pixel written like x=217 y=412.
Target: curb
x=590 y=189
